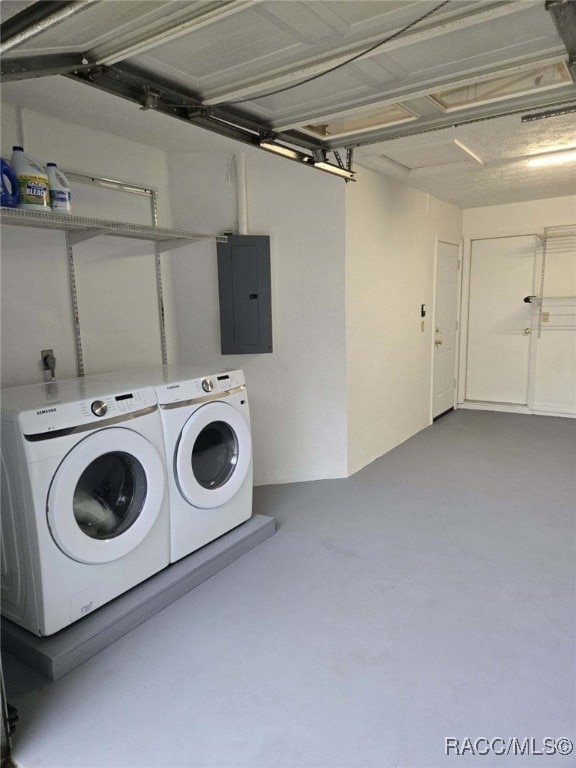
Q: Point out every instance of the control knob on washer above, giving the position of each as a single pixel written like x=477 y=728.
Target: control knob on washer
x=207 y=385
x=99 y=408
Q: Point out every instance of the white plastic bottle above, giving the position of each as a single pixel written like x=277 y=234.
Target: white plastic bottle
x=59 y=189
x=32 y=182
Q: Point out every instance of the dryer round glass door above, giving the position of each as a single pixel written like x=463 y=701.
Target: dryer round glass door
x=106 y=495
x=213 y=455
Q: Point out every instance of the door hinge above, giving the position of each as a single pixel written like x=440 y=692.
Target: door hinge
x=457 y=325
x=459 y=263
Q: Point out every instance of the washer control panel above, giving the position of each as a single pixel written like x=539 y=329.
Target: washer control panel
x=115 y=405
x=228 y=380
x=193 y=389
x=99 y=408
x=57 y=415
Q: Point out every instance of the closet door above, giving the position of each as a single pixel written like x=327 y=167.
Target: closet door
x=499 y=321
x=445 y=327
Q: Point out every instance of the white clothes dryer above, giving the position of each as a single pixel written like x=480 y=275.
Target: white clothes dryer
x=84 y=503
x=208 y=444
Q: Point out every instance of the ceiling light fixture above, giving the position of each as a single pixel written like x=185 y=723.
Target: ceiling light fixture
x=280 y=149
x=336 y=170
x=553 y=158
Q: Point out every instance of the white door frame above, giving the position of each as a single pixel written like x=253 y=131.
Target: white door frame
x=465 y=306
x=459 y=244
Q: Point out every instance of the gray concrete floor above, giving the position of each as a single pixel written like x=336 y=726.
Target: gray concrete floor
x=429 y=596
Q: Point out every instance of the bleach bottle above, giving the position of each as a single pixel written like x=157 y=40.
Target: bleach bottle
x=32 y=182
x=59 y=189
x=9 y=187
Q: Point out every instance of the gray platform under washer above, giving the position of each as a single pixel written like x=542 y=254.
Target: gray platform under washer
x=56 y=655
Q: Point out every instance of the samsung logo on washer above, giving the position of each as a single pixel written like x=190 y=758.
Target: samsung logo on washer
x=46 y=410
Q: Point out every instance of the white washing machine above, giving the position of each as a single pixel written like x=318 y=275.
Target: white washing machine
x=84 y=503
x=208 y=447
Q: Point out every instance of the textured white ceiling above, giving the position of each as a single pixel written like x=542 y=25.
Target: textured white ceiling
x=434 y=163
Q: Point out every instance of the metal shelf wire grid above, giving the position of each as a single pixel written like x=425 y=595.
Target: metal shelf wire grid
x=67 y=222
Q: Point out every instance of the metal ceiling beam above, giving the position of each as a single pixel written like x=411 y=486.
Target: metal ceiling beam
x=564 y=17
x=38 y=18
x=318 y=64
x=136 y=87
x=40 y=66
x=161 y=96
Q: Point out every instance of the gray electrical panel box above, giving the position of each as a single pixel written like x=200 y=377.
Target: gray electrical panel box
x=245 y=295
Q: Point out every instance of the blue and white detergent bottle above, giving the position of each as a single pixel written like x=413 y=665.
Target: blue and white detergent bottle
x=59 y=189
x=32 y=182
x=9 y=187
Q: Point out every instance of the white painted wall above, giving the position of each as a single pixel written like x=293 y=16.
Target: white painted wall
x=391 y=232
x=115 y=277
x=519 y=218
x=350 y=374
x=297 y=393
x=553 y=367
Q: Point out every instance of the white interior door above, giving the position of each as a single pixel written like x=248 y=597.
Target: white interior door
x=499 y=321
x=445 y=331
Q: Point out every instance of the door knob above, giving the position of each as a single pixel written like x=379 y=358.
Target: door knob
x=438 y=342
x=527 y=331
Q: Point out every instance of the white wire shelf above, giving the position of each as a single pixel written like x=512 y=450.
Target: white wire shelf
x=82 y=228
x=539 y=300
x=568 y=230
x=559 y=239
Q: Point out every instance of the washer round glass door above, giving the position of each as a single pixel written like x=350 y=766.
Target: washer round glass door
x=106 y=495
x=213 y=455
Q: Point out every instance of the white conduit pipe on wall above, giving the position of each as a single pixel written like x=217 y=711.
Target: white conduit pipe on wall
x=20 y=127
x=241 y=194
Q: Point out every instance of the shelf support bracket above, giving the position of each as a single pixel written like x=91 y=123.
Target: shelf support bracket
x=170 y=245
x=80 y=236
